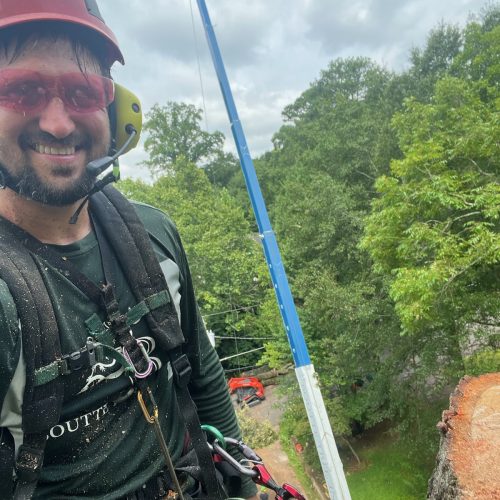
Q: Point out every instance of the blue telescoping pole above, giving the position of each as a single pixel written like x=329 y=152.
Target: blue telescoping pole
x=318 y=418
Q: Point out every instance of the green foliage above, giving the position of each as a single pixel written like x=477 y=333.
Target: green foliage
x=174 y=132
x=483 y=362
x=319 y=221
x=338 y=140
x=295 y=426
x=388 y=340
x=479 y=59
x=351 y=98
x=256 y=434
x=435 y=227
x=433 y=61
x=394 y=465
x=392 y=473
x=228 y=269
x=277 y=351
x=443 y=45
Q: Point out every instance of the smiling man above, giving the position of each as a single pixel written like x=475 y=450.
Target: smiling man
x=106 y=371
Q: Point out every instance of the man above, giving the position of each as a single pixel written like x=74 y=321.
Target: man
x=93 y=363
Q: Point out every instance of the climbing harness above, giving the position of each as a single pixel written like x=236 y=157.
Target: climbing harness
x=119 y=232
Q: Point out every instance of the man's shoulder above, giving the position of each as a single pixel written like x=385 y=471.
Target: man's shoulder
x=8 y=311
x=10 y=340
x=152 y=216
x=160 y=228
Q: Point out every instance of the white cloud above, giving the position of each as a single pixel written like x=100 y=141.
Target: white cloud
x=272 y=49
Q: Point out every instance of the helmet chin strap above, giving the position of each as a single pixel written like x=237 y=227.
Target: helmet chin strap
x=98 y=166
x=7 y=181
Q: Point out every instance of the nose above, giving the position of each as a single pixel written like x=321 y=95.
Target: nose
x=55 y=120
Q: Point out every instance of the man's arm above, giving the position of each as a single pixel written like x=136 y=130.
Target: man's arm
x=208 y=386
x=10 y=340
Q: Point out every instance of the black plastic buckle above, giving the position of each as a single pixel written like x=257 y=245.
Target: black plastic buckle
x=182 y=370
x=84 y=358
x=28 y=463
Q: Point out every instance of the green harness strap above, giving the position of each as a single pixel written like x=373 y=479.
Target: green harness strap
x=59 y=367
x=103 y=349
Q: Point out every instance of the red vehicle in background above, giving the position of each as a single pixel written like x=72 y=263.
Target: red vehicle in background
x=249 y=391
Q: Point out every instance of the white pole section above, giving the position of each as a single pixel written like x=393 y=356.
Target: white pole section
x=322 y=431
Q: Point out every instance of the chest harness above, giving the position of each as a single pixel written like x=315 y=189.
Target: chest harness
x=119 y=231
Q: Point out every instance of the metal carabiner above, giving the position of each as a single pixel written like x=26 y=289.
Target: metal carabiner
x=149 y=369
x=150 y=418
x=255 y=468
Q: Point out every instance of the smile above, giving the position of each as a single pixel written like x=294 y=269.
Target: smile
x=53 y=150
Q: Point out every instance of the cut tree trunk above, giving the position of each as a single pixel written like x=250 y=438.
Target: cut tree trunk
x=468 y=461
x=270 y=381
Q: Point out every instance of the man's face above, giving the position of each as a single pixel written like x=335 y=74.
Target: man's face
x=46 y=151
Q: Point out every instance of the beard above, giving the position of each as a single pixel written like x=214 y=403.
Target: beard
x=29 y=185
x=26 y=182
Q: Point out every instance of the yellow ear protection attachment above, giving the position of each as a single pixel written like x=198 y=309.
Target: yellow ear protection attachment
x=125 y=117
x=128 y=112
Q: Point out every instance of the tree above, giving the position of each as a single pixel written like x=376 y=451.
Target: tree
x=338 y=139
x=479 y=60
x=434 y=231
x=434 y=61
x=174 y=131
x=223 y=169
x=340 y=125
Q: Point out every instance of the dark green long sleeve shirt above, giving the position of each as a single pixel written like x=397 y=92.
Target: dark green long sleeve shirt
x=107 y=449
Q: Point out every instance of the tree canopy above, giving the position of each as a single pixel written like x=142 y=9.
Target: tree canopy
x=174 y=131
x=383 y=190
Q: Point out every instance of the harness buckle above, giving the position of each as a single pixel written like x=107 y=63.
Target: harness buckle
x=84 y=358
x=182 y=370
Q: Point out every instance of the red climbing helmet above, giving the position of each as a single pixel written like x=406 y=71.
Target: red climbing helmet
x=81 y=12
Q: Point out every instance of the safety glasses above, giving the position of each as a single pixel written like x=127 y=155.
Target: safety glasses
x=29 y=92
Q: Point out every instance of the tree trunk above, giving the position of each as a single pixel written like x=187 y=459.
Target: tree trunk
x=468 y=461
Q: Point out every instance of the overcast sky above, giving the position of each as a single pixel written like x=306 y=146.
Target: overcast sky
x=272 y=49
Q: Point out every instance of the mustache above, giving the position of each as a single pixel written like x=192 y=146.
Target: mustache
x=76 y=139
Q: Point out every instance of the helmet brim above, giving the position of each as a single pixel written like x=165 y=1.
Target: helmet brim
x=114 y=52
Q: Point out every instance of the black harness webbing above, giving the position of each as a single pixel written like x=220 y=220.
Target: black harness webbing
x=40 y=341
x=131 y=244
x=134 y=239
x=119 y=231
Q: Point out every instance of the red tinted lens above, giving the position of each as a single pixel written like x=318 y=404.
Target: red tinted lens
x=22 y=90
x=27 y=91
x=84 y=93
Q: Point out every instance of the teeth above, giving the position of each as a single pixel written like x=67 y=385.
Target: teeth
x=51 y=150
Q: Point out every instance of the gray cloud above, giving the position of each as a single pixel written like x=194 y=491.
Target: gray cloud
x=166 y=28
x=272 y=49
x=383 y=29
